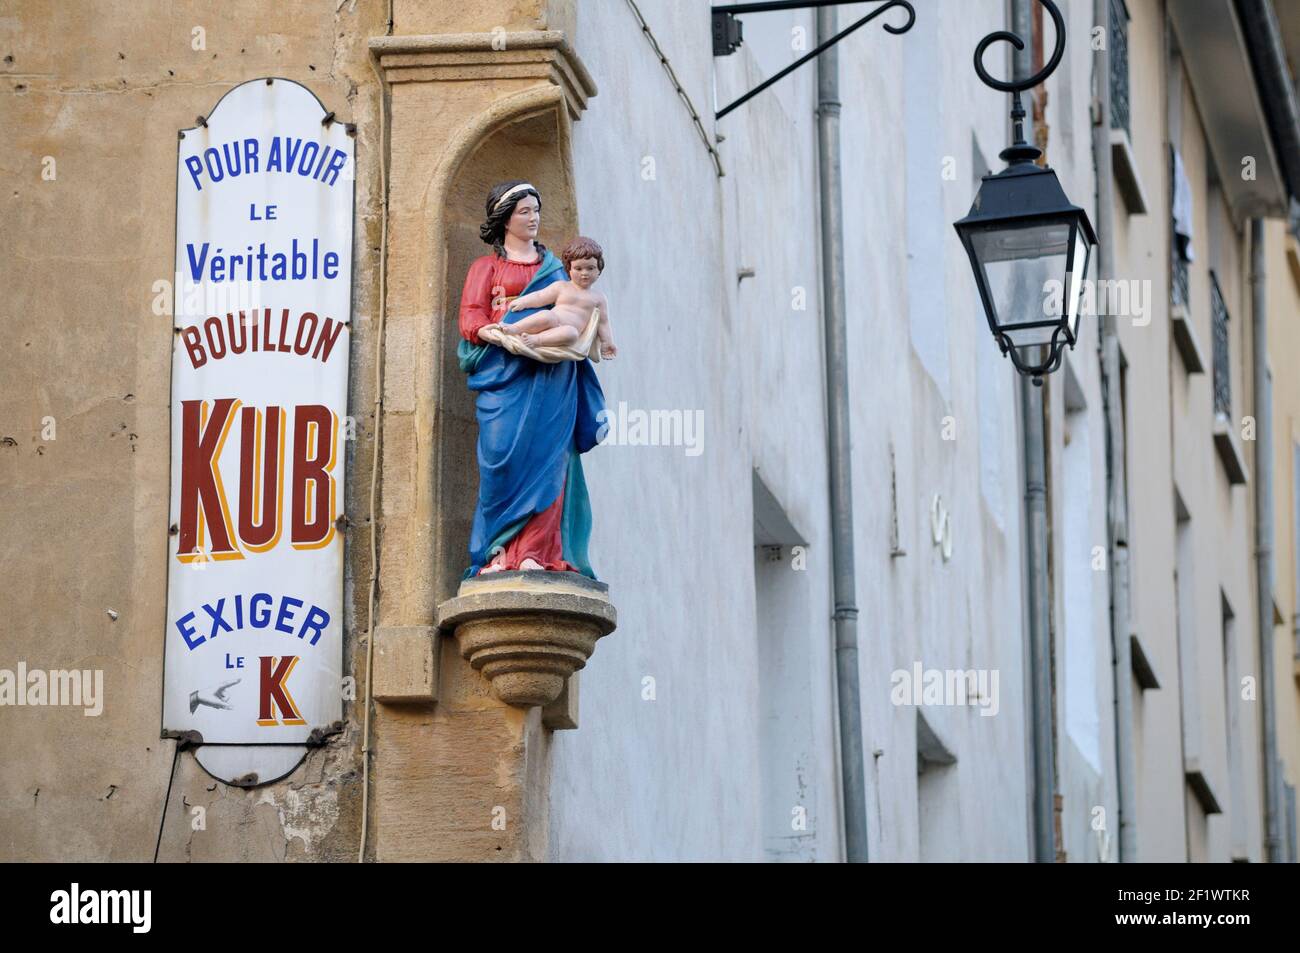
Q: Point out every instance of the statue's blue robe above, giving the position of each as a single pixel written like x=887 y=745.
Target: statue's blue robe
x=534 y=420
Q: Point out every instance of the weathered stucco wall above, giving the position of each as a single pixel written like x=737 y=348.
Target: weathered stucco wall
x=100 y=88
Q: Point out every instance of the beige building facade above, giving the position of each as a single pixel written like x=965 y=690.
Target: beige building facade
x=1283 y=296
x=1194 y=163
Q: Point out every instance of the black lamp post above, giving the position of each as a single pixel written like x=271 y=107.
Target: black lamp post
x=1022 y=233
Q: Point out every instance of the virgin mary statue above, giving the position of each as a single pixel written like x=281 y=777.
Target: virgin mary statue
x=535 y=419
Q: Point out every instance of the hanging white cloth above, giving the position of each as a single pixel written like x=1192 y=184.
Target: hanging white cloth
x=1182 y=208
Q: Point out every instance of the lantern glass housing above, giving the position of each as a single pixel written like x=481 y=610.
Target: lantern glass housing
x=1029 y=249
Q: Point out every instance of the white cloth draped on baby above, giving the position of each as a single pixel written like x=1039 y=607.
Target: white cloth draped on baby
x=585 y=347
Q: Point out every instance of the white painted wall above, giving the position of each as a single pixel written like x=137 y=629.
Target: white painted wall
x=682 y=777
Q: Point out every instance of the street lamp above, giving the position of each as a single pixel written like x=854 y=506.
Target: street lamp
x=1028 y=246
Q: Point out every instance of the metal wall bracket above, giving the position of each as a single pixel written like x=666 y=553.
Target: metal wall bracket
x=728 y=34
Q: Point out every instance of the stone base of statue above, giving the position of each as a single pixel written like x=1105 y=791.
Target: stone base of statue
x=528 y=632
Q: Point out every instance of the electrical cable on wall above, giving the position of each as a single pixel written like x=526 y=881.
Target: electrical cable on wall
x=374 y=462
x=681 y=92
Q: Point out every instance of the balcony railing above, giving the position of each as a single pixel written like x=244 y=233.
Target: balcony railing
x=1180 y=290
x=1222 y=380
x=1119 y=104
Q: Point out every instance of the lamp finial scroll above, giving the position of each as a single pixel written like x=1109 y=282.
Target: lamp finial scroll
x=1020 y=150
x=906 y=25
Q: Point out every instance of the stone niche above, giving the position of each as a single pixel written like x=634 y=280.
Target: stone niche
x=527 y=633
x=528 y=148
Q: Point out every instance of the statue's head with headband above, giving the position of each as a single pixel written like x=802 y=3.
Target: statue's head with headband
x=501 y=202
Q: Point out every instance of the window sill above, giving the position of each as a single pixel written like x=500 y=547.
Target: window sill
x=1293 y=258
x=1141 y=662
x=1189 y=347
x=1124 y=166
x=1200 y=786
x=1234 y=461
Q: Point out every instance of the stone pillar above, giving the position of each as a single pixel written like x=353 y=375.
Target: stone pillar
x=456 y=773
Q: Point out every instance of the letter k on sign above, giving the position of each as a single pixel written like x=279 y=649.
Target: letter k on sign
x=274 y=694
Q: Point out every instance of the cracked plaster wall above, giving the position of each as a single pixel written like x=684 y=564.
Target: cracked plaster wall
x=101 y=87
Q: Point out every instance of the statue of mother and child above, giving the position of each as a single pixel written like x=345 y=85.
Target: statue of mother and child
x=532 y=324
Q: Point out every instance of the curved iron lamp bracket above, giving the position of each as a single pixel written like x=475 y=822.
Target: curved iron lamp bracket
x=727 y=35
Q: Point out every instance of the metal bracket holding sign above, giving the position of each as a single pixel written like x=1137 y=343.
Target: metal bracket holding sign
x=253 y=651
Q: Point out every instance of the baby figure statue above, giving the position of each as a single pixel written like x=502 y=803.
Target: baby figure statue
x=571 y=304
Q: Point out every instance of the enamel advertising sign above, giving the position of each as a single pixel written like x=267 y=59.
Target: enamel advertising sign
x=254 y=637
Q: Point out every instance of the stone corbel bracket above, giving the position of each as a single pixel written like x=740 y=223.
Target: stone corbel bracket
x=528 y=632
x=476 y=57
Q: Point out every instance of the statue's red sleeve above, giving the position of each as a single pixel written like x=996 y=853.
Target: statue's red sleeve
x=476 y=299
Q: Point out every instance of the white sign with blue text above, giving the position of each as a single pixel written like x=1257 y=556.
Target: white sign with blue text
x=261 y=337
